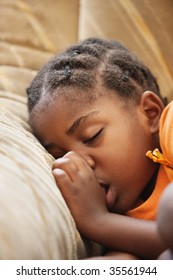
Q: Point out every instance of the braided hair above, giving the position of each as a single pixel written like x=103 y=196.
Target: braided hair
x=88 y=64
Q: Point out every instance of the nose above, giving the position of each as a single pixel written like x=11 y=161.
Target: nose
x=85 y=154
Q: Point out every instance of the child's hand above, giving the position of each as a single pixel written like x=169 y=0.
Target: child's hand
x=81 y=190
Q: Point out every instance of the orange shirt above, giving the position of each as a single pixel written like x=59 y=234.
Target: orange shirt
x=148 y=209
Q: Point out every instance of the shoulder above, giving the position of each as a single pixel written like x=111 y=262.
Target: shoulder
x=167 y=113
x=166 y=131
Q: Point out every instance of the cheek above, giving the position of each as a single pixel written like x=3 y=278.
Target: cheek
x=124 y=147
x=124 y=152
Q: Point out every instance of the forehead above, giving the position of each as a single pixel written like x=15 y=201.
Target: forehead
x=71 y=102
x=65 y=98
x=62 y=117
x=66 y=110
x=69 y=108
x=77 y=99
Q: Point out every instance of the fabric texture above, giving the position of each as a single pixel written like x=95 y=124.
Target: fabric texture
x=30 y=31
x=148 y=210
x=35 y=222
x=145 y=27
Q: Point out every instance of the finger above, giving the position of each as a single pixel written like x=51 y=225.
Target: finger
x=64 y=184
x=84 y=169
x=67 y=164
x=79 y=160
x=61 y=177
x=63 y=162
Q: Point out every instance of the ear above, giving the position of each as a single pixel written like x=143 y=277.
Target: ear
x=152 y=106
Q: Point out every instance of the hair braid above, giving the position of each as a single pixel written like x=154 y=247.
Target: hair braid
x=83 y=65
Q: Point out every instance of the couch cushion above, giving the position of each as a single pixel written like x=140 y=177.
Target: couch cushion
x=145 y=27
x=35 y=222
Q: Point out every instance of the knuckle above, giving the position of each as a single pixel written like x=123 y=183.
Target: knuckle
x=59 y=173
x=60 y=162
x=60 y=176
x=71 y=154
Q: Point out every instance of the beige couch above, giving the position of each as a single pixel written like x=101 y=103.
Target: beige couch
x=35 y=222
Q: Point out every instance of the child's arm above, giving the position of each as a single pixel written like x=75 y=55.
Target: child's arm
x=86 y=200
x=137 y=237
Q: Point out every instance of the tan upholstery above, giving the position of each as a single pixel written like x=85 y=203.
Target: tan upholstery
x=35 y=222
x=145 y=27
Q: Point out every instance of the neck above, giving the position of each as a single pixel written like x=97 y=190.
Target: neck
x=150 y=186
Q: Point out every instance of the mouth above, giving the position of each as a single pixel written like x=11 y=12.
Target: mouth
x=104 y=186
x=110 y=195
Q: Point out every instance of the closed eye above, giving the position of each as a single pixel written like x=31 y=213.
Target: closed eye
x=93 y=138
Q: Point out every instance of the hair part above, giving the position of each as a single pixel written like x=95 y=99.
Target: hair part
x=85 y=66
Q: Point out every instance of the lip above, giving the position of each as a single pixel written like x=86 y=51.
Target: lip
x=110 y=195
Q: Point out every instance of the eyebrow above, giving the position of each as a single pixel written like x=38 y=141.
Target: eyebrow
x=79 y=121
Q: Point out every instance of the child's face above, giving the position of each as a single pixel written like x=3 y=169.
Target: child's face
x=108 y=134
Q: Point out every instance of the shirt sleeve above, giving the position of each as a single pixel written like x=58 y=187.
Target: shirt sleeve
x=166 y=132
